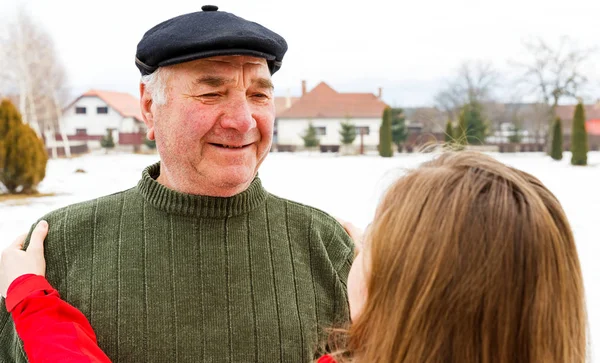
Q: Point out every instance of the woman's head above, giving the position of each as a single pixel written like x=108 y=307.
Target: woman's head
x=468 y=260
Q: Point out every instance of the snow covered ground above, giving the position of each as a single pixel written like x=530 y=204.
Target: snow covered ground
x=347 y=187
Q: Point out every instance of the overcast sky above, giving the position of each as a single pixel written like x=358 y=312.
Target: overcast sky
x=407 y=47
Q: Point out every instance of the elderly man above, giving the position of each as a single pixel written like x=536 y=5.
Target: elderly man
x=198 y=262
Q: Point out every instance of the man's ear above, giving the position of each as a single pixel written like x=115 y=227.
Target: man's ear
x=146 y=107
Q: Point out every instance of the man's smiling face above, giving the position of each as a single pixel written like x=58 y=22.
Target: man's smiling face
x=216 y=127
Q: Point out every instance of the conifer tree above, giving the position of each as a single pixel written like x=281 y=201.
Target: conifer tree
x=399 y=131
x=107 y=140
x=347 y=133
x=516 y=134
x=310 y=137
x=475 y=125
x=449 y=133
x=557 y=140
x=23 y=156
x=579 y=141
x=460 y=133
x=385 y=134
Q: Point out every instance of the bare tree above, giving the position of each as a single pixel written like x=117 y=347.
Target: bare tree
x=431 y=119
x=553 y=73
x=33 y=74
x=475 y=81
x=536 y=116
x=499 y=114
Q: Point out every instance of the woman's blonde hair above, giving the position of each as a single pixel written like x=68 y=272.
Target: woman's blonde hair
x=470 y=261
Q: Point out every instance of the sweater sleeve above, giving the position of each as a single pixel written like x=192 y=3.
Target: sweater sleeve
x=51 y=329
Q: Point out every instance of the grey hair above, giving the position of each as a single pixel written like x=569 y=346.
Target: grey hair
x=156 y=85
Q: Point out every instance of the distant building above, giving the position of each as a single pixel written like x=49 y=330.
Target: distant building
x=96 y=112
x=530 y=120
x=283 y=103
x=326 y=109
x=425 y=119
x=89 y=117
x=592 y=124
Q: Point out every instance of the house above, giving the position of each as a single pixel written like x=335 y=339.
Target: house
x=326 y=109
x=283 y=103
x=96 y=112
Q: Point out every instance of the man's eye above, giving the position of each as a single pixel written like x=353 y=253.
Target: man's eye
x=260 y=95
x=210 y=95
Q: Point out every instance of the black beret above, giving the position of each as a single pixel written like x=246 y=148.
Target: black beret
x=204 y=34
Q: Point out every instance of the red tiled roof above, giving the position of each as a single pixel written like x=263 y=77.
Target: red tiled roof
x=281 y=103
x=325 y=102
x=124 y=103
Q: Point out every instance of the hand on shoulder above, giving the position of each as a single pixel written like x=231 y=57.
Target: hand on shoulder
x=354 y=232
x=16 y=262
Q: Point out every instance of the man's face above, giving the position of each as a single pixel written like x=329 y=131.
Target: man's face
x=216 y=126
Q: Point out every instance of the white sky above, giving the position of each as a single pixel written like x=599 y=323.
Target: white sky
x=407 y=47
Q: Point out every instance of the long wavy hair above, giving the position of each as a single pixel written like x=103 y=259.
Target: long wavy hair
x=469 y=260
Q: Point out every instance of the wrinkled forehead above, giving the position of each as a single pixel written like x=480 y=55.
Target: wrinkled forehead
x=228 y=63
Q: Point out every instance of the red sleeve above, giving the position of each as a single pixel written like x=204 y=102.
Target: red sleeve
x=51 y=329
x=325 y=359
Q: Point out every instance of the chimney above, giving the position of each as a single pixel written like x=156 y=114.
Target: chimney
x=303 y=87
x=288 y=100
x=379 y=93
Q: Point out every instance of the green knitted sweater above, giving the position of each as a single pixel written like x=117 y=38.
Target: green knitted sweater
x=169 y=277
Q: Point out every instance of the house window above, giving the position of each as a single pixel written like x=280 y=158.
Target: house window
x=80 y=131
x=80 y=110
x=101 y=110
x=362 y=129
x=321 y=131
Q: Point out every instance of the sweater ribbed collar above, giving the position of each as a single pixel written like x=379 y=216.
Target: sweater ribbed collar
x=174 y=202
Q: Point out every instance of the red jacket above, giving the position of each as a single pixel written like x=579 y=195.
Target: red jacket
x=51 y=329
x=325 y=359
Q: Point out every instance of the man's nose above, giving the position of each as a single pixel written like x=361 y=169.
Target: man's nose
x=238 y=116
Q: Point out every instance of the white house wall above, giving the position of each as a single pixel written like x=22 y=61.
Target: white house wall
x=129 y=126
x=289 y=131
x=91 y=121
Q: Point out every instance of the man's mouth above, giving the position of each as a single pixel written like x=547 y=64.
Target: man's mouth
x=229 y=146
